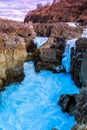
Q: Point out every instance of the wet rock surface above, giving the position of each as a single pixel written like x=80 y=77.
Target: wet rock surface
x=67 y=102
x=49 y=55
x=76 y=105
x=76 y=60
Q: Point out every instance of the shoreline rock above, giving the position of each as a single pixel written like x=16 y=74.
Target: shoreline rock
x=15 y=43
x=59 y=29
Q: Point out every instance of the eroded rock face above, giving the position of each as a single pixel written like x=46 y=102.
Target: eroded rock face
x=12 y=55
x=83 y=74
x=58 y=30
x=15 y=41
x=50 y=54
x=76 y=60
x=81 y=108
x=76 y=105
x=68 y=102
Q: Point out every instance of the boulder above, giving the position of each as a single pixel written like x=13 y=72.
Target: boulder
x=68 y=102
x=76 y=105
x=49 y=55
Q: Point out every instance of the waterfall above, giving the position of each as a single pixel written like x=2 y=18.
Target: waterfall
x=84 y=33
x=39 y=41
x=66 y=61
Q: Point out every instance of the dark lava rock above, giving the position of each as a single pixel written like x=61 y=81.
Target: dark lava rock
x=83 y=74
x=67 y=102
x=76 y=60
x=76 y=104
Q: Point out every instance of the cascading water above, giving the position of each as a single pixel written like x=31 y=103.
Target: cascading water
x=39 y=41
x=33 y=103
x=66 y=61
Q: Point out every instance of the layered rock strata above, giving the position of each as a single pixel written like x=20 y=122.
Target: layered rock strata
x=15 y=42
x=59 y=29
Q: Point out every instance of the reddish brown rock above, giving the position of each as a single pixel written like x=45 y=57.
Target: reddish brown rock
x=15 y=41
x=58 y=30
x=62 y=11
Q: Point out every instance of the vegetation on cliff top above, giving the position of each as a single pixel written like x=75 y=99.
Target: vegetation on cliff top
x=62 y=11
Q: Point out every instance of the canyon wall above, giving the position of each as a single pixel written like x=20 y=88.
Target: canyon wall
x=15 y=41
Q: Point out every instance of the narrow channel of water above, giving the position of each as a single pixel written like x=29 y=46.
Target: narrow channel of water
x=33 y=103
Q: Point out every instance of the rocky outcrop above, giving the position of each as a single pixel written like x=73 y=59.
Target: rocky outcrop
x=76 y=60
x=76 y=105
x=49 y=55
x=83 y=74
x=15 y=42
x=68 y=103
x=26 y=31
x=58 y=30
x=61 y=11
x=12 y=55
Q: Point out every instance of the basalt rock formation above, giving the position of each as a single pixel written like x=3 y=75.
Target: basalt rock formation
x=12 y=54
x=62 y=11
x=76 y=60
x=83 y=74
x=15 y=38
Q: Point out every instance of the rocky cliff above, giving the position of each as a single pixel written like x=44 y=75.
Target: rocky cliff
x=15 y=39
x=59 y=29
x=62 y=11
x=76 y=104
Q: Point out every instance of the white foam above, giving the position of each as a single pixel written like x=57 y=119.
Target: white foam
x=84 y=35
x=71 y=24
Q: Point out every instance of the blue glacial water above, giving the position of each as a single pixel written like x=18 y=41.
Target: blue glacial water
x=33 y=103
x=66 y=61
